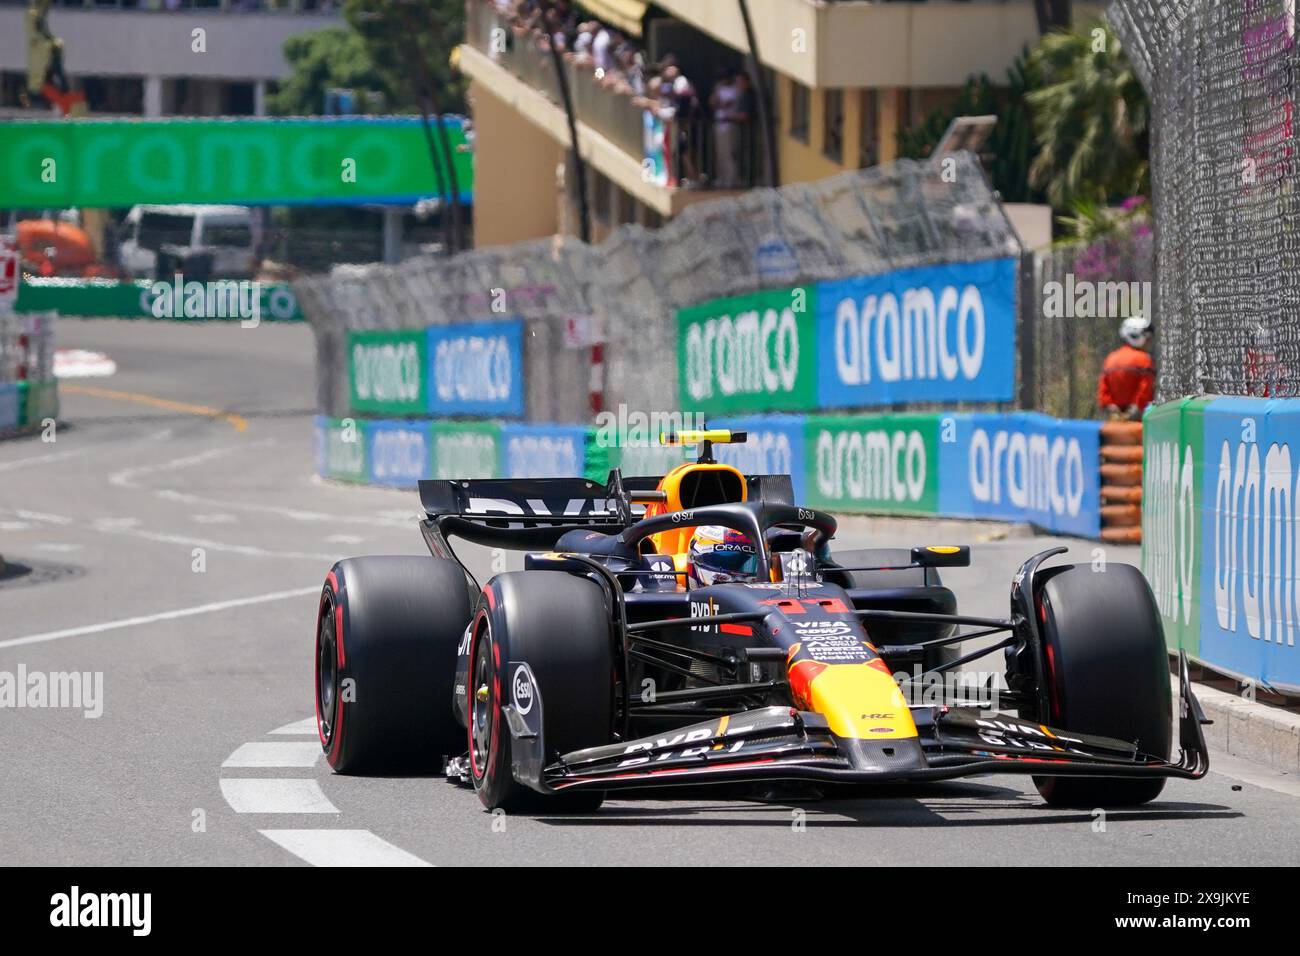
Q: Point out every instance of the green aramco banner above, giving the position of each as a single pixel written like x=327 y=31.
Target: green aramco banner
x=110 y=163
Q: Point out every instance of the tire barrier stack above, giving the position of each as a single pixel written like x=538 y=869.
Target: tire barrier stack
x=1220 y=538
x=29 y=392
x=1121 y=482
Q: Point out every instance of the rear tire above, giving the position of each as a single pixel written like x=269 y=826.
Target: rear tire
x=558 y=624
x=1108 y=670
x=390 y=626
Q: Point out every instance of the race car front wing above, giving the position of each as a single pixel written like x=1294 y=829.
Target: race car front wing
x=783 y=743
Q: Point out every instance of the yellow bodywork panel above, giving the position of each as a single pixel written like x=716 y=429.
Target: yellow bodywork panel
x=861 y=701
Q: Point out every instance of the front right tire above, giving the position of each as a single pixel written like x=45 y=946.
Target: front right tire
x=1108 y=674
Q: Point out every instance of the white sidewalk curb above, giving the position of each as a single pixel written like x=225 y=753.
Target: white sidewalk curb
x=1253 y=731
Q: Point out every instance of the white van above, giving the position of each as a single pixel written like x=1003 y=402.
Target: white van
x=223 y=232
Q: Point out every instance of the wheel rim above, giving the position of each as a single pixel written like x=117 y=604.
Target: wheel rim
x=326 y=676
x=482 y=715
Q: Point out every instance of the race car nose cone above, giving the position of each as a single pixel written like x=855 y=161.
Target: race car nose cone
x=883 y=756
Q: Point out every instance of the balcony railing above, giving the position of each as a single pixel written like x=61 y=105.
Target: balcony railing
x=675 y=149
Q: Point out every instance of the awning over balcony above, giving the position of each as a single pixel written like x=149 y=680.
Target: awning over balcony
x=627 y=15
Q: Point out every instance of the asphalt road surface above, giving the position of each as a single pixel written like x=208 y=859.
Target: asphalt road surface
x=176 y=542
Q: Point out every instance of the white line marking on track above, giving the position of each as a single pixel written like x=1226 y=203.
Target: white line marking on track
x=344 y=539
x=281 y=753
x=306 y=727
x=214 y=519
x=268 y=795
x=43 y=516
x=14 y=526
x=162 y=616
x=342 y=848
x=39 y=459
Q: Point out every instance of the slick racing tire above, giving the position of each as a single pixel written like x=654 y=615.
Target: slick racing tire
x=386 y=638
x=908 y=578
x=1108 y=674
x=558 y=624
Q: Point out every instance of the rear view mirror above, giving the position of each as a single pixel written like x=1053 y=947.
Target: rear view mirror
x=942 y=556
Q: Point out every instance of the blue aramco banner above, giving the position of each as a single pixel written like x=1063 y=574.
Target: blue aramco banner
x=1249 y=579
x=477 y=368
x=931 y=334
x=399 y=453
x=543 y=451
x=1022 y=467
x=775 y=446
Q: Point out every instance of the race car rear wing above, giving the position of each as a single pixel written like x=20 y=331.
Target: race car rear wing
x=532 y=513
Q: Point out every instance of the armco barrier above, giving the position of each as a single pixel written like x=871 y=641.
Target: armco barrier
x=12 y=410
x=1017 y=467
x=1021 y=467
x=1219 y=532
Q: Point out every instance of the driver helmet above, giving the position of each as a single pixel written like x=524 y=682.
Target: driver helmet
x=719 y=555
x=1136 y=331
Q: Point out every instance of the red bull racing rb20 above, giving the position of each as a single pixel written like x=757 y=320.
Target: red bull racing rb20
x=700 y=628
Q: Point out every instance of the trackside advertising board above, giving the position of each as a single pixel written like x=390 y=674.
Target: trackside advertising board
x=466 y=449
x=387 y=371
x=471 y=369
x=1220 y=532
x=927 y=334
x=879 y=463
x=775 y=446
x=340 y=448
x=397 y=452
x=103 y=163
x=543 y=451
x=750 y=353
x=1022 y=467
x=476 y=368
x=144 y=299
x=933 y=334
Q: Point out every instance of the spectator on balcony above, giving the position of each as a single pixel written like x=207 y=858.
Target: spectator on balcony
x=582 y=42
x=602 y=50
x=729 y=116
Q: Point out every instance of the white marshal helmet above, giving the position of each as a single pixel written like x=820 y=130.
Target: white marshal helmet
x=1136 y=331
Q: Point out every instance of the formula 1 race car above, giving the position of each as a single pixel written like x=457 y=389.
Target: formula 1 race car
x=610 y=663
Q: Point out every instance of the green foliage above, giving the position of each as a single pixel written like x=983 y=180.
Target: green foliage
x=400 y=33
x=376 y=52
x=1010 y=144
x=324 y=59
x=1090 y=119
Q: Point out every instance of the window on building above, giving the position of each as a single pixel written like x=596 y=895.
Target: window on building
x=833 y=135
x=800 y=108
x=868 y=129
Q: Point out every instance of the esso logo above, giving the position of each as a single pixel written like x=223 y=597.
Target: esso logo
x=522 y=689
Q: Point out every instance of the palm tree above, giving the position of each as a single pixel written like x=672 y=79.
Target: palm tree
x=1090 y=119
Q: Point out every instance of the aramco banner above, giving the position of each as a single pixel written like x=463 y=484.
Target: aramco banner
x=942 y=333
x=1219 y=532
x=103 y=163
